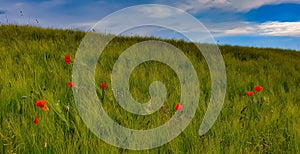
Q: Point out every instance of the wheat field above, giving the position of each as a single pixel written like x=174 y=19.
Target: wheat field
x=33 y=68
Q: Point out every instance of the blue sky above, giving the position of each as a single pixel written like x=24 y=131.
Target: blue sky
x=258 y=23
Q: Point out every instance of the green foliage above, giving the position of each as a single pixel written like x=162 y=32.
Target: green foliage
x=32 y=67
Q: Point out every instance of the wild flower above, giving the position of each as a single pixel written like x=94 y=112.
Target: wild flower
x=36 y=120
x=258 y=88
x=103 y=85
x=70 y=84
x=178 y=107
x=68 y=59
x=249 y=93
x=42 y=104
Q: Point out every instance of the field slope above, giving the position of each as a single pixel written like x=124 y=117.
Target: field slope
x=33 y=68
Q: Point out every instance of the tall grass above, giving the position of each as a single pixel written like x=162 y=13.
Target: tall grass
x=32 y=67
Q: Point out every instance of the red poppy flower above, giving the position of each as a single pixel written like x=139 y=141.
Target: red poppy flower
x=249 y=93
x=70 y=84
x=258 y=88
x=42 y=104
x=178 y=107
x=103 y=85
x=68 y=59
x=36 y=120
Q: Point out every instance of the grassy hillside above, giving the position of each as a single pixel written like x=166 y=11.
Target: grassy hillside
x=33 y=68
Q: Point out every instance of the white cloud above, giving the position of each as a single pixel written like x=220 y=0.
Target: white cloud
x=280 y=28
x=268 y=28
x=194 y=6
x=246 y=5
x=239 y=31
x=156 y=12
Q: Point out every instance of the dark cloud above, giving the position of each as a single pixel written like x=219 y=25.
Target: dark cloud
x=2 y=12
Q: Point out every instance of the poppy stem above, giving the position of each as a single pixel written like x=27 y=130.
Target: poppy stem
x=103 y=93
